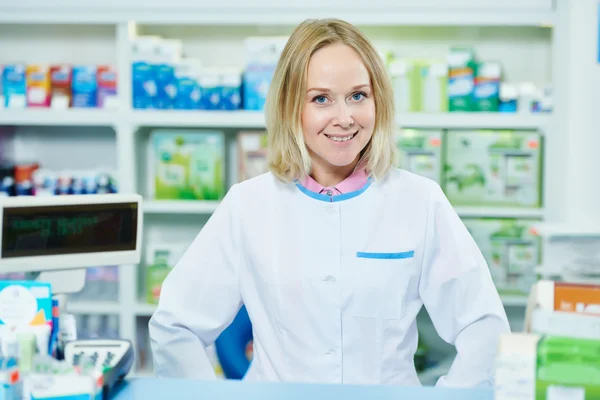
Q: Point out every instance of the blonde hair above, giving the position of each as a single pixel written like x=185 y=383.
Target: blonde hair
x=288 y=156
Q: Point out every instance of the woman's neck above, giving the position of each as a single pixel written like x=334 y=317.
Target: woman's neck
x=329 y=177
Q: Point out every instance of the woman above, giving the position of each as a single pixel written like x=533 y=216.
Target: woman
x=334 y=251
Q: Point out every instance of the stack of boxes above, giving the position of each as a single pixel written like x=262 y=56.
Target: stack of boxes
x=164 y=79
x=493 y=169
x=58 y=86
x=461 y=83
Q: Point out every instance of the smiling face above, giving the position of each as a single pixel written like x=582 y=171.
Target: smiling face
x=339 y=111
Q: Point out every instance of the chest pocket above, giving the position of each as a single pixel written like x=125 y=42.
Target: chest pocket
x=381 y=282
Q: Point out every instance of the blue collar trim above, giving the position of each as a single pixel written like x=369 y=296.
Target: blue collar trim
x=334 y=198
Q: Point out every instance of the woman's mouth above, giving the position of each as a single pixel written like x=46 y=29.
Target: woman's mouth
x=341 y=138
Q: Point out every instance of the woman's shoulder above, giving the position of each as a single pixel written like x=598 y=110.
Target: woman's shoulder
x=400 y=178
x=406 y=183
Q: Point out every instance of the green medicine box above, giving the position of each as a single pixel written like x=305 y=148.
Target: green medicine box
x=421 y=152
x=187 y=165
x=493 y=168
x=511 y=250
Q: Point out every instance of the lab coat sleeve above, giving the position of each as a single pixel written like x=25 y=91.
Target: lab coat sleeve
x=458 y=292
x=199 y=298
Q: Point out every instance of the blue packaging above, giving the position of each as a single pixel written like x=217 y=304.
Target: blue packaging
x=256 y=83
x=84 y=86
x=508 y=98
x=231 y=91
x=1 y=86
x=210 y=90
x=189 y=94
x=166 y=86
x=144 y=85
x=14 y=85
x=31 y=303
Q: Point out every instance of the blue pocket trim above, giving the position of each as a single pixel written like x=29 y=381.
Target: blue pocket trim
x=386 y=256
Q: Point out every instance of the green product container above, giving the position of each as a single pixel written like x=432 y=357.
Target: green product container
x=568 y=368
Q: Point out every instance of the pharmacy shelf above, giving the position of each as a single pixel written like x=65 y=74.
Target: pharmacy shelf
x=144 y=309
x=180 y=207
x=93 y=307
x=499 y=212
x=53 y=117
x=256 y=119
x=243 y=119
x=474 y=120
x=198 y=119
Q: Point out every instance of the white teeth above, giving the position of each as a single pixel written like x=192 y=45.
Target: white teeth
x=340 y=139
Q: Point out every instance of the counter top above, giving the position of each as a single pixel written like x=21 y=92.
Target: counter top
x=152 y=388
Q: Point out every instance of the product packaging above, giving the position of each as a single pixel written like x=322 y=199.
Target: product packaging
x=61 y=78
x=252 y=154
x=107 y=87
x=25 y=303
x=433 y=78
x=14 y=84
x=405 y=84
x=144 y=54
x=2 y=101
x=262 y=55
x=187 y=165
x=230 y=89
x=511 y=248
x=508 y=99
x=38 y=86
x=558 y=356
x=493 y=168
x=421 y=152
x=85 y=86
x=487 y=86
x=189 y=94
x=209 y=81
x=461 y=79
x=160 y=261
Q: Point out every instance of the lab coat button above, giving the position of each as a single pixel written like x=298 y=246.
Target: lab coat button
x=329 y=193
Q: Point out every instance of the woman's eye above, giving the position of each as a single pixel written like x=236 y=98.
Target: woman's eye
x=358 y=96
x=320 y=99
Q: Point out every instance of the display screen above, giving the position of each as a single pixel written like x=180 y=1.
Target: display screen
x=69 y=229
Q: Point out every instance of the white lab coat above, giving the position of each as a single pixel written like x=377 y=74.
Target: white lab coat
x=320 y=311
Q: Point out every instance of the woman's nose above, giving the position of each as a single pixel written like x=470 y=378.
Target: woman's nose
x=344 y=116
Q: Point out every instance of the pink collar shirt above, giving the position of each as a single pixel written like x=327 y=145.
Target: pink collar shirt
x=357 y=182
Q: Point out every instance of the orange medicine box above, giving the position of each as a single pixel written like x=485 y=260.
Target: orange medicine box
x=577 y=298
x=38 y=85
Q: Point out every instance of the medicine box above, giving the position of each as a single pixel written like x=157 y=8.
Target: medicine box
x=252 y=154
x=512 y=251
x=107 y=86
x=61 y=80
x=25 y=303
x=160 y=260
x=14 y=84
x=187 y=165
x=487 y=87
x=461 y=79
x=493 y=168
x=421 y=152
x=85 y=86
x=38 y=86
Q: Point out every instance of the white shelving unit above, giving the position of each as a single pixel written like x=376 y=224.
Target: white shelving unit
x=522 y=33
